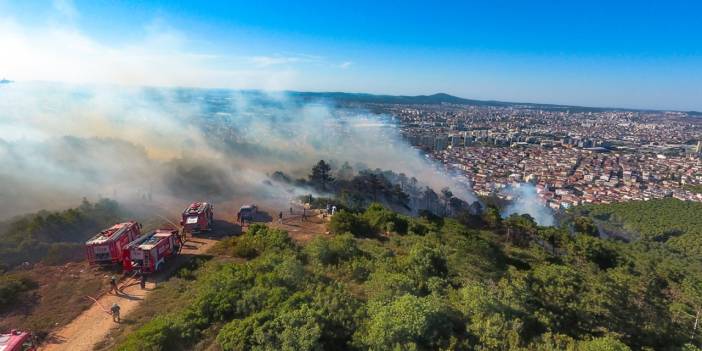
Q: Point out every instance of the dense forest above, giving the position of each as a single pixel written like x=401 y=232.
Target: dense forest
x=678 y=224
x=382 y=280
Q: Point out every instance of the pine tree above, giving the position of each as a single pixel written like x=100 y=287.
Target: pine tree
x=321 y=175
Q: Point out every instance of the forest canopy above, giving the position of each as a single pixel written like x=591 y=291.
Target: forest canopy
x=382 y=280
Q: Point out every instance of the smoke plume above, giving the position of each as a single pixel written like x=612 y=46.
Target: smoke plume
x=62 y=142
x=525 y=200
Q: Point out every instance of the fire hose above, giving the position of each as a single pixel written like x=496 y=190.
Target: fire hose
x=99 y=304
x=119 y=288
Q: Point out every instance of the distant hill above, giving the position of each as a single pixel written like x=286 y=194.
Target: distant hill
x=443 y=98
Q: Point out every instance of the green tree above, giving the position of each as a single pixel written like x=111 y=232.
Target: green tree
x=347 y=222
x=520 y=228
x=692 y=295
x=585 y=225
x=321 y=174
x=492 y=217
x=606 y=343
x=408 y=323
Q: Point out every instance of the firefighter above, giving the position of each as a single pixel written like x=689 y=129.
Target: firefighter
x=115 y=312
x=280 y=217
x=142 y=281
x=113 y=284
x=333 y=209
x=291 y=211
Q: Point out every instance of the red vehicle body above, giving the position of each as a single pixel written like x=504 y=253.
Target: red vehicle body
x=197 y=217
x=17 y=341
x=148 y=252
x=106 y=247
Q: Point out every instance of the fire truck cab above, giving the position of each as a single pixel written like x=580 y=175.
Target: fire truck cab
x=247 y=213
x=17 y=341
x=106 y=247
x=197 y=217
x=148 y=253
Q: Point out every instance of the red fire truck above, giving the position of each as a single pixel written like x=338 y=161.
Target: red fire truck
x=197 y=217
x=17 y=341
x=106 y=247
x=147 y=253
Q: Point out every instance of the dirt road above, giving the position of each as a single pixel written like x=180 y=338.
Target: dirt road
x=94 y=324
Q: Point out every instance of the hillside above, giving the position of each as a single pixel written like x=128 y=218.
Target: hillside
x=382 y=281
x=55 y=237
x=443 y=98
x=671 y=221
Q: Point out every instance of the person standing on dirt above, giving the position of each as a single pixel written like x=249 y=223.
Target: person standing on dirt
x=113 y=284
x=142 y=281
x=280 y=217
x=115 y=312
x=304 y=214
x=333 y=209
x=291 y=211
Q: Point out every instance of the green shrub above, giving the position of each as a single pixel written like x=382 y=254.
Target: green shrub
x=382 y=219
x=245 y=247
x=603 y=344
x=55 y=237
x=347 y=222
x=332 y=251
x=12 y=285
x=260 y=238
x=161 y=333
x=408 y=323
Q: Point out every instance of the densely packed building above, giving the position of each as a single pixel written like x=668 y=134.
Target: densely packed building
x=572 y=157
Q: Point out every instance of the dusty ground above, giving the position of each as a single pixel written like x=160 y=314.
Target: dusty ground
x=61 y=308
x=298 y=229
x=58 y=299
x=91 y=326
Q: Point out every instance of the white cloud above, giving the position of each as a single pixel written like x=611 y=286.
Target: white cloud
x=265 y=61
x=161 y=57
x=345 y=65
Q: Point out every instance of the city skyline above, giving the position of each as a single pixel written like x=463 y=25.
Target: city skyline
x=628 y=55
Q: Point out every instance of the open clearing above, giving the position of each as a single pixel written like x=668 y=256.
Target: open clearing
x=94 y=324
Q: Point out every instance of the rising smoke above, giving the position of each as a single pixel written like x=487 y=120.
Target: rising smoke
x=525 y=200
x=60 y=143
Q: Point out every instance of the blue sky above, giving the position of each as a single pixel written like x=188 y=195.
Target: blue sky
x=645 y=54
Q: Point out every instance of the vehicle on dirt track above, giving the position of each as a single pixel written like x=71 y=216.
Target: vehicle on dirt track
x=148 y=253
x=247 y=213
x=107 y=246
x=197 y=217
x=17 y=341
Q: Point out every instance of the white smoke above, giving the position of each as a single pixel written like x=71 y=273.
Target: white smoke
x=60 y=142
x=524 y=200
x=101 y=134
